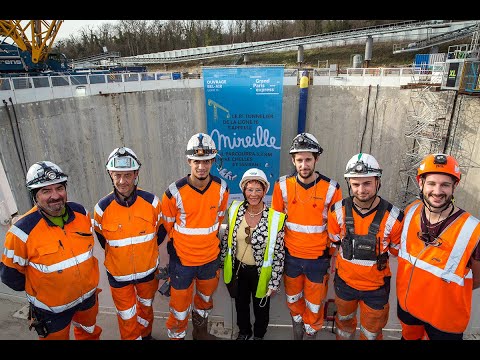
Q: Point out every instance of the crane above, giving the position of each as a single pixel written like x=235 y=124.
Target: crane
x=34 y=36
x=31 y=51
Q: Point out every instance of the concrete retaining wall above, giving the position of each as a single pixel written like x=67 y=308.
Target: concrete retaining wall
x=78 y=133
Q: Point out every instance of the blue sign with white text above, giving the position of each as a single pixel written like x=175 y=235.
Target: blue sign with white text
x=244 y=118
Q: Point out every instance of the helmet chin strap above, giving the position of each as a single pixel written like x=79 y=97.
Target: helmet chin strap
x=374 y=196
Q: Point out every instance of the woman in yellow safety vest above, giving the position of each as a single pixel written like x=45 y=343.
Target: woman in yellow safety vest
x=253 y=254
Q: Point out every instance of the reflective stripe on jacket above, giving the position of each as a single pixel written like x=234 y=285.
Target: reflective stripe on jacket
x=434 y=283
x=275 y=221
x=57 y=264
x=363 y=275
x=307 y=209
x=131 y=249
x=192 y=218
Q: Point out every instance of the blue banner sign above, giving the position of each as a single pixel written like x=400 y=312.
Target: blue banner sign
x=244 y=118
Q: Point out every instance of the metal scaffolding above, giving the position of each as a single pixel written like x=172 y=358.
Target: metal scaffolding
x=464 y=131
x=426 y=131
x=438 y=123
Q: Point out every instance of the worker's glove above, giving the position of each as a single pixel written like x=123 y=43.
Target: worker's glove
x=164 y=275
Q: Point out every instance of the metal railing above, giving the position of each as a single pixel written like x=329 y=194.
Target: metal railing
x=35 y=82
x=19 y=83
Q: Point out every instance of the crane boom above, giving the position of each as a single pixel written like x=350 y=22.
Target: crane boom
x=33 y=36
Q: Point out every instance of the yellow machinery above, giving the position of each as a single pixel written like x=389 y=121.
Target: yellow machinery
x=33 y=36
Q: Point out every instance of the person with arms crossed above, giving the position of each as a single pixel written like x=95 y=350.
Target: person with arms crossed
x=305 y=196
x=253 y=254
x=48 y=254
x=365 y=228
x=439 y=257
x=128 y=225
x=193 y=209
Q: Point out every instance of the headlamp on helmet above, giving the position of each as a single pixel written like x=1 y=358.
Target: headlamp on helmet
x=44 y=173
x=305 y=142
x=362 y=165
x=439 y=163
x=201 y=147
x=123 y=159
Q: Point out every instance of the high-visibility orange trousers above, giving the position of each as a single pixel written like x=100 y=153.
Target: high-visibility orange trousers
x=134 y=304
x=181 y=300
x=310 y=305
x=372 y=321
x=84 y=322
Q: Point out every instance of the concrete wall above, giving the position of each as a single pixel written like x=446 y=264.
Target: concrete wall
x=78 y=134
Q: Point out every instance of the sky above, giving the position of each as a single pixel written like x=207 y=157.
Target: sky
x=71 y=27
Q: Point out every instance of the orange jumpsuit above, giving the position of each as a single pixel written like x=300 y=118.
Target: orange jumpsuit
x=307 y=245
x=360 y=281
x=192 y=219
x=57 y=270
x=130 y=232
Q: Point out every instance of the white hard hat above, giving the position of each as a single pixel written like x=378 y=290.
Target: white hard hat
x=122 y=159
x=362 y=165
x=201 y=147
x=254 y=174
x=44 y=173
x=305 y=142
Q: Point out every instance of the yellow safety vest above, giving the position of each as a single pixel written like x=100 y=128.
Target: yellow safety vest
x=275 y=224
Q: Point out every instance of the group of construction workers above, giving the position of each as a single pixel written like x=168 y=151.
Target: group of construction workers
x=308 y=228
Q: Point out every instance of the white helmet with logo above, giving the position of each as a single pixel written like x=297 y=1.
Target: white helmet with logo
x=305 y=142
x=123 y=159
x=44 y=173
x=201 y=147
x=362 y=165
x=254 y=174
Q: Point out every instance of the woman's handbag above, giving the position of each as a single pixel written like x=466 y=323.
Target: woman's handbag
x=232 y=286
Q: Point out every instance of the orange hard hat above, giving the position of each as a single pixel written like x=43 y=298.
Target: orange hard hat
x=439 y=163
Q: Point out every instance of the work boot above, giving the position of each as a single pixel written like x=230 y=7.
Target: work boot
x=297 y=330
x=244 y=336
x=200 y=328
x=148 y=337
x=307 y=336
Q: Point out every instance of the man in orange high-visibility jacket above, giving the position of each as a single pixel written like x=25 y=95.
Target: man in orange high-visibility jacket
x=305 y=196
x=438 y=260
x=49 y=254
x=128 y=225
x=193 y=209
x=365 y=228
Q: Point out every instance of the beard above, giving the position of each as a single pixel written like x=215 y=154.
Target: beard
x=54 y=208
x=447 y=201
x=309 y=174
x=365 y=200
x=201 y=178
